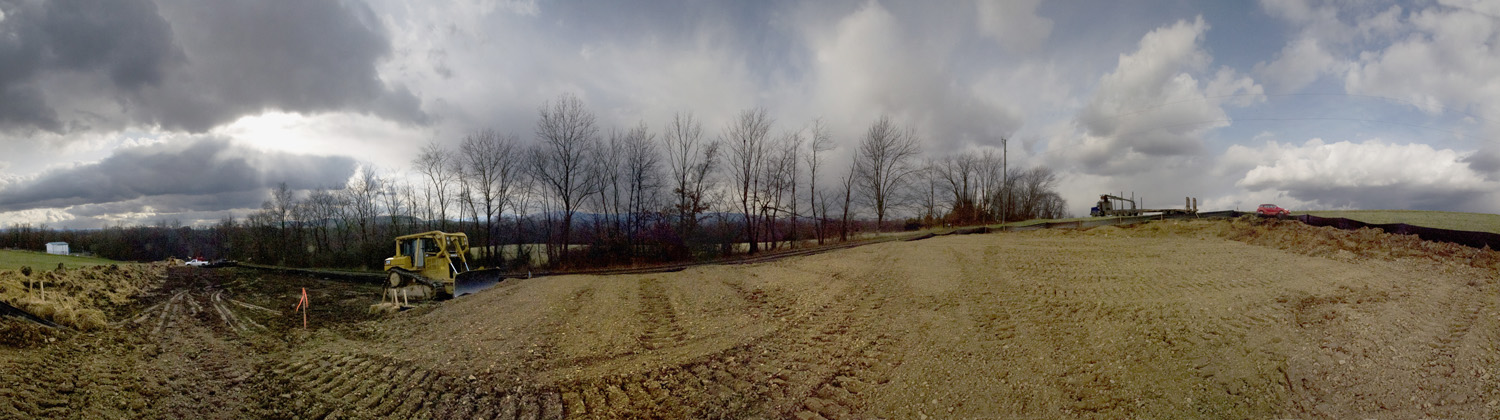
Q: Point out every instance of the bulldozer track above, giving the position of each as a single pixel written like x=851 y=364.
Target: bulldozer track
x=762 y=303
x=820 y=365
x=656 y=312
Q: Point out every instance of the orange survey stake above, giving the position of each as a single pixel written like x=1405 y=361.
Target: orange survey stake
x=302 y=306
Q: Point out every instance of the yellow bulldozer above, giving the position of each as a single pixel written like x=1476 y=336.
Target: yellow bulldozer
x=434 y=265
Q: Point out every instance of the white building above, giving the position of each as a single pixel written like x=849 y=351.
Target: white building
x=59 y=248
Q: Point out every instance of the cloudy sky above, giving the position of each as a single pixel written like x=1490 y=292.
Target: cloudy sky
x=133 y=111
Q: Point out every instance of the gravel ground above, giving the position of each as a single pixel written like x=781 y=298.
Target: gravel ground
x=1239 y=319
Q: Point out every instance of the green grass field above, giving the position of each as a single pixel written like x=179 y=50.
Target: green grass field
x=1474 y=222
x=13 y=260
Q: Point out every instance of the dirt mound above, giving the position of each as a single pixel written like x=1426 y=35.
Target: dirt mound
x=1363 y=243
x=80 y=298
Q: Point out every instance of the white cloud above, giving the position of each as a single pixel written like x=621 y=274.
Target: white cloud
x=370 y=139
x=1034 y=83
x=1300 y=63
x=870 y=63
x=1446 y=66
x=1449 y=60
x=1337 y=24
x=650 y=81
x=36 y=217
x=1013 y=23
x=1153 y=104
x=1372 y=175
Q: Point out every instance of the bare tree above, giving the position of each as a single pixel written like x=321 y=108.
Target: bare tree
x=993 y=188
x=885 y=157
x=746 y=136
x=692 y=162
x=280 y=210
x=398 y=201
x=821 y=142
x=490 y=167
x=567 y=144
x=524 y=195
x=959 y=176
x=642 y=177
x=607 y=171
x=928 y=196
x=1034 y=193
x=322 y=208
x=780 y=184
x=790 y=163
x=363 y=195
x=849 y=183
x=435 y=164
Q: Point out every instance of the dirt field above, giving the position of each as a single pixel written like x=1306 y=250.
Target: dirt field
x=1167 y=320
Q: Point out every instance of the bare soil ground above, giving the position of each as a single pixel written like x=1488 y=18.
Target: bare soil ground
x=1242 y=319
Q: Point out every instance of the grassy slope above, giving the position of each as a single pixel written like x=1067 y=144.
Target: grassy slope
x=1476 y=222
x=13 y=260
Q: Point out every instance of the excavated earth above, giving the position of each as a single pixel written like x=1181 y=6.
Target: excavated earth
x=1221 y=319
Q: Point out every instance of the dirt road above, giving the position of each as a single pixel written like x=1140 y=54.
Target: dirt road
x=1177 y=319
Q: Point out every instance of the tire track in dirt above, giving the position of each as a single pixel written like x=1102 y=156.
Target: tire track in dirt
x=174 y=355
x=1453 y=324
x=762 y=303
x=776 y=375
x=1032 y=302
x=204 y=364
x=378 y=386
x=359 y=386
x=658 y=316
x=819 y=365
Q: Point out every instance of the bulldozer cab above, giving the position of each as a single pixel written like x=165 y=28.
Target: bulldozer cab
x=427 y=247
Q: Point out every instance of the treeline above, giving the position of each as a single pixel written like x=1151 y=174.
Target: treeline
x=581 y=195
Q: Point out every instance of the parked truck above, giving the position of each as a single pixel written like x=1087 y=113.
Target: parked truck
x=1112 y=205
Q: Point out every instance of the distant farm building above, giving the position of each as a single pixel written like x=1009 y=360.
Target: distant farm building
x=59 y=248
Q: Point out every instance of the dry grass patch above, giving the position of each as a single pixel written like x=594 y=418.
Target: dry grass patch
x=80 y=297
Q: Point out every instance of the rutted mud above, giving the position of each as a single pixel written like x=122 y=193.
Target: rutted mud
x=1183 y=319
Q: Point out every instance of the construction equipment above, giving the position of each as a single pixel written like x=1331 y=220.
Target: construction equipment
x=1113 y=205
x=434 y=265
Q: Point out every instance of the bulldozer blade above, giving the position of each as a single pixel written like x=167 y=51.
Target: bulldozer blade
x=474 y=281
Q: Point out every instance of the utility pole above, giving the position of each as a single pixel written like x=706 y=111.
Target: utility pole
x=1004 y=178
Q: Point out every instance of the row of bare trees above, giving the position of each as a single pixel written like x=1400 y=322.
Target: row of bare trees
x=644 y=193
x=587 y=194
x=977 y=188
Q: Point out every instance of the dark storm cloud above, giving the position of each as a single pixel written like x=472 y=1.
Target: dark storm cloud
x=189 y=64
x=125 y=41
x=293 y=55
x=1485 y=161
x=208 y=174
x=175 y=203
